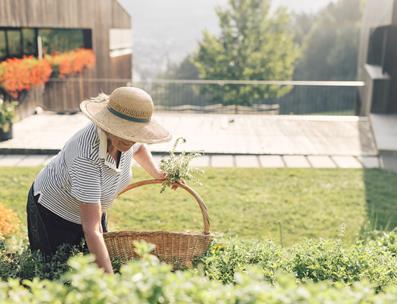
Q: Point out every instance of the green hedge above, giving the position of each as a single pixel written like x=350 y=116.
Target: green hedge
x=373 y=260
x=148 y=281
x=233 y=272
x=17 y=261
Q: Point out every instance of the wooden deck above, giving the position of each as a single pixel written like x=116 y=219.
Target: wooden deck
x=219 y=134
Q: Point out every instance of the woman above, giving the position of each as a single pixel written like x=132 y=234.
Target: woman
x=68 y=199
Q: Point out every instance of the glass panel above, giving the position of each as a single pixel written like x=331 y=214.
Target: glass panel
x=14 y=43
x=3 y=50
x=61 y=40
x=29 y=41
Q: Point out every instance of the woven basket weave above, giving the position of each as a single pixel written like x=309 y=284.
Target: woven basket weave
x=177 y=248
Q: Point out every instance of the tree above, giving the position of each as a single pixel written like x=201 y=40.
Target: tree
x=183 y=70
x=301 y=24
x=177 y=94
x=254 y=44
x=330 y=49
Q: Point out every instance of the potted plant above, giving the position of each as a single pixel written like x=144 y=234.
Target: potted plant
x=7 y=115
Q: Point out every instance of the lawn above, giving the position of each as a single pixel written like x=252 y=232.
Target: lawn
x=284 y=205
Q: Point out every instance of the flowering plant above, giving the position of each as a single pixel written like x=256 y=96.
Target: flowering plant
x=71 y=62
x=17 y=74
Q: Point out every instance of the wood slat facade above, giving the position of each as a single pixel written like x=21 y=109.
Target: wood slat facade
x=99 y=16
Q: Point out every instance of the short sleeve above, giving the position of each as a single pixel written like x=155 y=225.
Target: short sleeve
x=85 y=180
x=136 y=147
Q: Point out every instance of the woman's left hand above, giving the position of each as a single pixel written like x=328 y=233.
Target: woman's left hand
x=160 y=174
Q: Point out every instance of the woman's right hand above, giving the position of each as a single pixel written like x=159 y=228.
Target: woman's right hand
x=177 y=184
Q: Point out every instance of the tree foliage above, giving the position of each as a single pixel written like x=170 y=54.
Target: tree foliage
x=330 y=49
x=254 y=44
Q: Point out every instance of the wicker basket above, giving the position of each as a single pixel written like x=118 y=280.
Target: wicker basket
x=175 y=248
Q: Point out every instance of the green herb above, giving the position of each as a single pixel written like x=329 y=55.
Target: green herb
x=176 y=166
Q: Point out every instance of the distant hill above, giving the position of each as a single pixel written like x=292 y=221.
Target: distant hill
x=165 y=32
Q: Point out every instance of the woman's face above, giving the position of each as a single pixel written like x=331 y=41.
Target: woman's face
x=119 y=143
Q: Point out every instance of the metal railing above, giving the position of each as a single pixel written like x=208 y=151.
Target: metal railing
x=225 y=96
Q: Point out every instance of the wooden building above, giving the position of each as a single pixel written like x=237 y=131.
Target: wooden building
x=103 y=25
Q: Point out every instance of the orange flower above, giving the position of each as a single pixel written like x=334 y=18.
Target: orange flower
x=72 y=62
x=9 y=222
x=20 y=74
x=17 y=75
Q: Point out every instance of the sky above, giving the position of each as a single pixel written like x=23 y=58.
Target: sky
x=166 y=31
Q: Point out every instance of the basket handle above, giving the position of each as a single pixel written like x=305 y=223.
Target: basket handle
x=203 y=207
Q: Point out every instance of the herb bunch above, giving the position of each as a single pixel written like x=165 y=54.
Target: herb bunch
x=176 y=166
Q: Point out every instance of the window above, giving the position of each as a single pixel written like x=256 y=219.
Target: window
x=14 y=43
x=3 y=45
x=376 y=45
x=61 y=40
x=19 y=42
x=29 y=41
x=120 y=42
x=10 y=43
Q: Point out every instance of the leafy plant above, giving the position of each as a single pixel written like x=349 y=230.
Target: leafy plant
x=149 y=281
x=231 y=272
x=7 y=113
x=223 y=260
x=324 y=260
x=22 y=263
x=177 y=168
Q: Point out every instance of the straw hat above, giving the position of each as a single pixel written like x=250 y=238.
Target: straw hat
x=126 y=113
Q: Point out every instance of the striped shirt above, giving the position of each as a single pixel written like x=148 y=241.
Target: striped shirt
x=83 y=172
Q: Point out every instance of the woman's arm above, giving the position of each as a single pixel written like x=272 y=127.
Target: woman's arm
x=90 y=215
x=144 y=158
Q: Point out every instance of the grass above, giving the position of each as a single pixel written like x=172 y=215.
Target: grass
x=249 y=203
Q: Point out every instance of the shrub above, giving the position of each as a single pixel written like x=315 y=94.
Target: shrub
x=233 y=272
x=149 y=281
x=7 y=114
x=329 y=260
x=222 y=261
x=324 y=260
x=387 y=241
x=25 y=264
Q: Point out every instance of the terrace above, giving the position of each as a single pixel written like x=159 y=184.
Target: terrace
x=313 y=134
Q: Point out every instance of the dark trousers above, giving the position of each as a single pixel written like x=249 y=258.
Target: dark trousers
x=47 y=231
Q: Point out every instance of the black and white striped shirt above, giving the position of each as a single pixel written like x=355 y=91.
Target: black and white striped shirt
x=84 y=172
